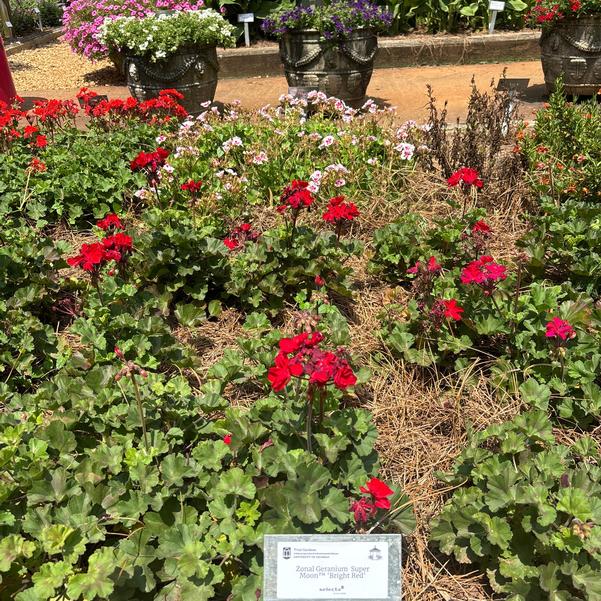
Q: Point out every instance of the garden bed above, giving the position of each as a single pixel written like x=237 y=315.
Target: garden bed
x=165 y=283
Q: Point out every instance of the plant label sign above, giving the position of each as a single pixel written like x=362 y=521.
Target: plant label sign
x=246 y=18
x=496 y=5
x=332 y=566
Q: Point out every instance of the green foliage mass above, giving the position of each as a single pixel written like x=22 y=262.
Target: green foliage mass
x=528 y=511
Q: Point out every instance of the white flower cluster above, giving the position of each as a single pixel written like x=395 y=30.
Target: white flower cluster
x=159 y=36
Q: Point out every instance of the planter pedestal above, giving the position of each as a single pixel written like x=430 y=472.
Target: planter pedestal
x=572 y=48
x=342 y=70
x=191 y=71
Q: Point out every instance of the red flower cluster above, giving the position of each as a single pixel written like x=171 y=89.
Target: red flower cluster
x=339 y=211
x=377 y=498
x=560 y=329
x=481 y=227
x=192 y=186
x=10 y=116
x=295 y=197
x=478 y=237
x=239 y=235
x=116 y=247
x=112 y=112
x=301 y=356
x=110 y=222
x=53 y=112
x=466 y=176
x=547 y=11
x=150 y=163
x=449 y=309
x=484 y=272
x=432 y=266
x=37 y=166
x=90 y=257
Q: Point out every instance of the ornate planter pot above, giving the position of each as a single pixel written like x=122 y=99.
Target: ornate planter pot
x=341 y=70
x=572 y=47
x=118 y=60
x=191 y=71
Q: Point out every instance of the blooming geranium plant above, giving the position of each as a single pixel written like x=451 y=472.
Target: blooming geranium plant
x=335 y=20
x=547 y=12
x=83 y=19
x=160 y=35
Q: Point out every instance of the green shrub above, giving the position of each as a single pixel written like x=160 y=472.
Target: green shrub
x=528 y=511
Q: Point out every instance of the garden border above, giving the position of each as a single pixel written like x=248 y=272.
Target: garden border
x=409 y=51
x=34 y=40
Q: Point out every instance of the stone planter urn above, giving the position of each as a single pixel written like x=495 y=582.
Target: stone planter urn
x=572 y=48
x=191 y=71
x=339 y=69
x=118 y=60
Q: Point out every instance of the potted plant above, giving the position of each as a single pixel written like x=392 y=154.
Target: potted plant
x=171 y=50
x=570 y=43
x=329 y=47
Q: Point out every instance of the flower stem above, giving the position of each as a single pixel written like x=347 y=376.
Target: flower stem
x=140 y=411
x=309 y=419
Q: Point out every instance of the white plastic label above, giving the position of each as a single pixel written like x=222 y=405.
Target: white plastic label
x=246 y=18
x=327 y=570
x=496 y=5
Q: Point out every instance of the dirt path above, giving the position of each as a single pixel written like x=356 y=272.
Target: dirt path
x=54 y=71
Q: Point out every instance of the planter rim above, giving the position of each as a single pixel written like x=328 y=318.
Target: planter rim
x=185 y=48
x=316 y=31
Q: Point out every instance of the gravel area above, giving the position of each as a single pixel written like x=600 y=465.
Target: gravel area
x=55 y=67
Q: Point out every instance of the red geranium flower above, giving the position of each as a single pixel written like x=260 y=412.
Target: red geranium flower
x=90 y=257
x=150 y=163
x=282 y=372
x=227 y=439
x=379 y=492
x=318 y=366
x=192 y=186
x=41 y=141
x=339 y=210
x=481 y=227
x=560 y=328
x=29 y=131
x=119 y=241
x=362 y=510
x=465 y=176
x=484 y=272
x=452 y=310
x=432 y=266
x=240 y=235
x=111 y=221
x=295 y=197
x=36 y=165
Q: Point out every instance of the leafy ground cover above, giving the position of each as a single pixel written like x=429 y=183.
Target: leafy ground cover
x=303 y=319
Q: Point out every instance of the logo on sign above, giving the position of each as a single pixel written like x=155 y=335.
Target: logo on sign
x=286 y=552
x=375 y=554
